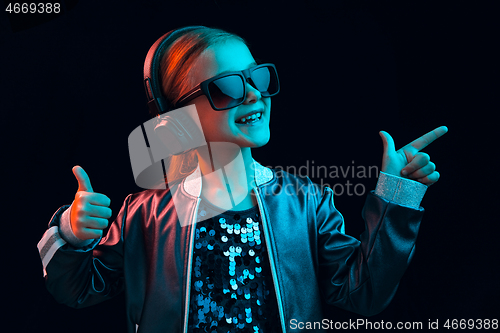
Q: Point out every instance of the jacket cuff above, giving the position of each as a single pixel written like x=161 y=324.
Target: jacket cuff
x=52 y=239
x=402 y=191
x=48 y=245
x=67 y=233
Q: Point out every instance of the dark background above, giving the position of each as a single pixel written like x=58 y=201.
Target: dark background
x=71 y=93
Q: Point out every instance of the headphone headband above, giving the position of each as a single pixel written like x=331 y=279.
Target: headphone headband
x=157 y=102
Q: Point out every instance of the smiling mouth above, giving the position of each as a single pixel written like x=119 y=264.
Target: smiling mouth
x=250 y=119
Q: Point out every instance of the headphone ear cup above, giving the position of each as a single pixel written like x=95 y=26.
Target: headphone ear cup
x=179 y=133
x=171 y=135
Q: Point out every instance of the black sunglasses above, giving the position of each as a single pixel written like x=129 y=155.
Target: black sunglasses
x=228 y=90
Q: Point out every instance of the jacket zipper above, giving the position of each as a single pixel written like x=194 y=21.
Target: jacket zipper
x=190 y=266
x=271 y=259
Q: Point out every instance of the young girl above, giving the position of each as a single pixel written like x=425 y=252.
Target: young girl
x=249 y=249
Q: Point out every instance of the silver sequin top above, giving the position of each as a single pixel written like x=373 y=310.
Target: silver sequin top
x=232 y=288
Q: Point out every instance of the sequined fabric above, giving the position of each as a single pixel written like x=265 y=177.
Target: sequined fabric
x=231 y=284
x=400 y=190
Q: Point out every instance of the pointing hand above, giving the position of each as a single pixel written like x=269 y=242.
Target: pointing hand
x=409 y=162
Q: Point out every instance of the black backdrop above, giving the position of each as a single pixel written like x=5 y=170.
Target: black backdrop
x=72 y=92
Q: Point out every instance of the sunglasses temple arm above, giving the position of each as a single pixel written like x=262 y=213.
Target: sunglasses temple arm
x=190 y=95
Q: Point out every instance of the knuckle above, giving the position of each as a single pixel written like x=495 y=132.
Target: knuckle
x=79 y=199
x=83 y=197
x=83 y=222
x=82 y=212
x=425 y=157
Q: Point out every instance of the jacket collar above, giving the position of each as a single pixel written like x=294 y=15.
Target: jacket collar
x=192 y=183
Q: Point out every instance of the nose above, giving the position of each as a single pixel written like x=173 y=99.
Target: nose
x=253 y=95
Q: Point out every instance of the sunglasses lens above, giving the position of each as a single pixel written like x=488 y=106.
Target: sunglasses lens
x=227 y=91
x=266 y=81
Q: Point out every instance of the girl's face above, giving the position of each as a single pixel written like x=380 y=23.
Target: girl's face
x=221 y=126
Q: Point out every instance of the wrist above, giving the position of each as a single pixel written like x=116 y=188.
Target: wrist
x=400 y=190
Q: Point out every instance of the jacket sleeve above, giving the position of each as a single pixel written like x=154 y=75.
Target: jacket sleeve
x=363 y=276
x=87 y=275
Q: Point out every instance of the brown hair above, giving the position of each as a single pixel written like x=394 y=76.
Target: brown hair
x=175 y=66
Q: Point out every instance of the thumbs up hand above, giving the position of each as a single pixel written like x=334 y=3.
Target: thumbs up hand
x=409 y=162
x=90 y=211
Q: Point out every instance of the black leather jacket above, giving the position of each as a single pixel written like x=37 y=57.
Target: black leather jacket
x=147 y=252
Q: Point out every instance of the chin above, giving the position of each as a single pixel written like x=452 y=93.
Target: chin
x=260 y=142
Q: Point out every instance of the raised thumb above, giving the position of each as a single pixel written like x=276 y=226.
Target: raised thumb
x=83 y=179
x=387 y=141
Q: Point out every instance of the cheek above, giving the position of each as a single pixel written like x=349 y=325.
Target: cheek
x=214 y=123
x=267 y=102
x=204 y=113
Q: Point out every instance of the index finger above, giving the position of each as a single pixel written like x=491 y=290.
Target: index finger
x=428 y=138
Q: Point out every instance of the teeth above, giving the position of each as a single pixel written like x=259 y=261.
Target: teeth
x=254 y=116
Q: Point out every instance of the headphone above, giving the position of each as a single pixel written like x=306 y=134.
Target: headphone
x=177 y=130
